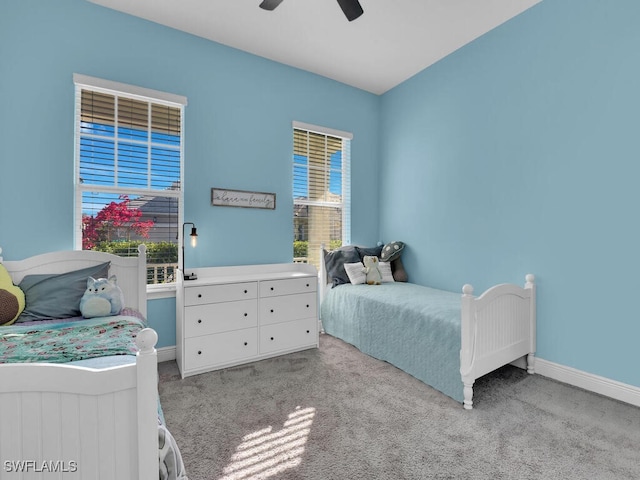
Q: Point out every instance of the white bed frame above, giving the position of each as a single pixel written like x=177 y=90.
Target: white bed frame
x=82 y=422
x=497 y=328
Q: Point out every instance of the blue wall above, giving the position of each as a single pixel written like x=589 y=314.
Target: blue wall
x=238 y=131
x=519 y=153
x=162 y=318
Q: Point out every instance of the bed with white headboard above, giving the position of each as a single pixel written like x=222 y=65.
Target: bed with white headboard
x=445 y=339
x=98 y=423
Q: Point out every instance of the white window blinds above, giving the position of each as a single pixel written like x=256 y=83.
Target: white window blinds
x=321 y=191
x=128 y=175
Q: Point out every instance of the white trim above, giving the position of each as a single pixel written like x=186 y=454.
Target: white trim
x=147 y=94
x=166 y=354
x=161 y=290
x=346 y=192
x=324 y=130
x=588 y=381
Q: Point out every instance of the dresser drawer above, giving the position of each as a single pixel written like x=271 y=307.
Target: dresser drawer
x=271 y=288
x=228 y=292
x=288 y=335
x=288 y=307
x=222 y=348
x=220 y=317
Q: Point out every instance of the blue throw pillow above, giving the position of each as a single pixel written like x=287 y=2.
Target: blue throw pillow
x=57 y=295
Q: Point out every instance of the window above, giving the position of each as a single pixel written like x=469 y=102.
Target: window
x=321 y=191
x=128 y=172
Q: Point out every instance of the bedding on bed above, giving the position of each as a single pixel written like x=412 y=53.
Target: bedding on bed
x=70 y=340
x=425 y=323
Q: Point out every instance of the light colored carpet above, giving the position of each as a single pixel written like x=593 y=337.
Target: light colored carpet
x=335 y=413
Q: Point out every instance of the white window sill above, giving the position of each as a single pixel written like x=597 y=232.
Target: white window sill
x=155 y=292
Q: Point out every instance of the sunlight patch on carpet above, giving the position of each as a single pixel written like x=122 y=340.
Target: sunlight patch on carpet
x=265 y=453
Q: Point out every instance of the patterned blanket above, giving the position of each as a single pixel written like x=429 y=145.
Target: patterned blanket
x=70 y=341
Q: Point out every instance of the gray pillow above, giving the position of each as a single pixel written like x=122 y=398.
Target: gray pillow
x=370 y=251
x=57 y=295
x=334 y=262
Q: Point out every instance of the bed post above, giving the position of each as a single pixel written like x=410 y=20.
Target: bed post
x=322 y=276
x=531 y=286
x=147 y=393
x=468 y=319
x=142 y=279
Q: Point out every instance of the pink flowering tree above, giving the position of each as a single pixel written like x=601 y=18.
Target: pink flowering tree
x=116 y=221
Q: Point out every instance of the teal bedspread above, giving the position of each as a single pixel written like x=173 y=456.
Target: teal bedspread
x=415 y=328
x=70 y=341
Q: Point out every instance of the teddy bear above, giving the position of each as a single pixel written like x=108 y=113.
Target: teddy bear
x=102 y=298
x=374 y=277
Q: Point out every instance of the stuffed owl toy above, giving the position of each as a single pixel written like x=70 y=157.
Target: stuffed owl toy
x=374 y=277
x=102 y=298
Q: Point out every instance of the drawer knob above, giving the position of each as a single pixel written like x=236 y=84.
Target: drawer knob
x=199 y=321
x=271 y=338
x=245 y=344
x=246 y=314
x=199 y=352
x=245 y=291
x=307 y=305
x=272 y=310
x=307 y=284
x=308 y=331
x=272 y=289
x=199 y=295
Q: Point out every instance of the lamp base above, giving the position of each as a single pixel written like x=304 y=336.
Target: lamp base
x=192 y=276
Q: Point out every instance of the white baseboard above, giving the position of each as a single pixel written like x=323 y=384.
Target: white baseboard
x=588 y=381
x=166 y=354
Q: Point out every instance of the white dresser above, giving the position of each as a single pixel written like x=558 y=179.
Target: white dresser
x=234 y=315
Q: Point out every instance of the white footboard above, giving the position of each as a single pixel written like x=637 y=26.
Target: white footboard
x=96 y=424
x=498 y=327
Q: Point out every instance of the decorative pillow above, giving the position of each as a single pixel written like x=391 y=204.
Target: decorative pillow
x=355 y=272
x=334 y=262
x=399 y=273
x=11 y=298
x=385 y=271
x=102 y=298
x=369 y=251
x=57 y=295
x=391 y=251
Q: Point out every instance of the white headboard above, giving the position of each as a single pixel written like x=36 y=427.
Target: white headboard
x=131 y=271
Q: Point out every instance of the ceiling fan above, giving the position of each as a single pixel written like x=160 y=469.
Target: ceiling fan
x=351 y=8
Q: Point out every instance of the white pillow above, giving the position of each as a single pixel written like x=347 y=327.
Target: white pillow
x=355 y=272
x=385 y=271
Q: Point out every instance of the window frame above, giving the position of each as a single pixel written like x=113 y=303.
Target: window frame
x=345 y=204
x=150 y=96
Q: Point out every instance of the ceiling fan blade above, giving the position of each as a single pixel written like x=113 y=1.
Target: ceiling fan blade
x=351 y=9
x=270 y=4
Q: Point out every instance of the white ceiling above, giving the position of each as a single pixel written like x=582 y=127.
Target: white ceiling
x=392 y=41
